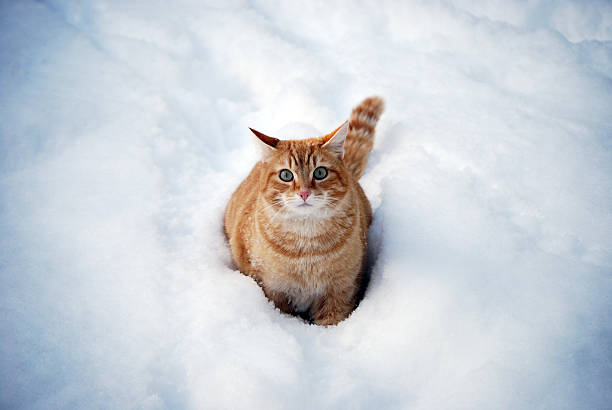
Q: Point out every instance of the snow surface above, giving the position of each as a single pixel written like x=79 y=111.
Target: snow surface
x=123 y=131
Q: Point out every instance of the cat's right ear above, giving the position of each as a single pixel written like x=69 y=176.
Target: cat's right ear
x=266 y=144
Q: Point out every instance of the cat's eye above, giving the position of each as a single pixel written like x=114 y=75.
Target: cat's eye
x=285 y=175
x=320 y=172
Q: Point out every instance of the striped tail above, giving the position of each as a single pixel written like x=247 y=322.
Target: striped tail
x=360 y=138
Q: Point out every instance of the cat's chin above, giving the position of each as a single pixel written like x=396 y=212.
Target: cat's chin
x=308 y=211
x=304 y=209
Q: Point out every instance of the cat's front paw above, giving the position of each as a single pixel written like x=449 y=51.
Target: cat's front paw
x=332 y=309
x=329 y=320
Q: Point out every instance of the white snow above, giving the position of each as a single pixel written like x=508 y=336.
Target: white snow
x=123 y=132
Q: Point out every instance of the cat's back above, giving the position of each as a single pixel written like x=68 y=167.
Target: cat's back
x=241 y=204
x=365 y=207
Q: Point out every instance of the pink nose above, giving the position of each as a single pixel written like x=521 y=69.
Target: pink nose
x=304 y=194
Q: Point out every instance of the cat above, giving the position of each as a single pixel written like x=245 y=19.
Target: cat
x=298 y=224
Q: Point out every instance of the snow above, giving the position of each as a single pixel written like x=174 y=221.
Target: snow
x=123 y=133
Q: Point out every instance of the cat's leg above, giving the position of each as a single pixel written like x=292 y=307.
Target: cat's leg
x=334 y=306
x=281 y=301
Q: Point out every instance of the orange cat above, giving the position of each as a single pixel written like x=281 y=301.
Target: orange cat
x=298 y=224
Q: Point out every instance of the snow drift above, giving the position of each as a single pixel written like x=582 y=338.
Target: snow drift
x=123 y=133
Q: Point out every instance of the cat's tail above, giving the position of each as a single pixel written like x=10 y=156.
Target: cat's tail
x=360 y=138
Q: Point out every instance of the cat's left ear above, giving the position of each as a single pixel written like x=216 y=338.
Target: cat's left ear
x=334 y=141
x=266 y=144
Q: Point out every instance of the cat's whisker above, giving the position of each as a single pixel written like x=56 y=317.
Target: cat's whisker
x=273 y=217
x=282 y=202
x=266 y=207
x=276 y=201
x=330 y=202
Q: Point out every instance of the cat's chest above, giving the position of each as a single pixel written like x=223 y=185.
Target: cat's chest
x=281 y=267
x=307 y=271
x=301 y=266
x=301 y=280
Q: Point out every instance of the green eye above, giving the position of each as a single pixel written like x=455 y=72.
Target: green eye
x=285 y=175
x=320 y=172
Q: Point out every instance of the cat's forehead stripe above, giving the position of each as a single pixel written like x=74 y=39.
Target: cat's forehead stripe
x=301 y=154
x=295 y=159
x=309 y=156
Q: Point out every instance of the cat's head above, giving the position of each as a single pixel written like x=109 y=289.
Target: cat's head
x=303 y=178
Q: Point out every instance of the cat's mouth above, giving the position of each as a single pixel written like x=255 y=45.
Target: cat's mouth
x=303 y=204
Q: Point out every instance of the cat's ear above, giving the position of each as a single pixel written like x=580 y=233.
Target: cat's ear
x=334 y=141
x=266 y=144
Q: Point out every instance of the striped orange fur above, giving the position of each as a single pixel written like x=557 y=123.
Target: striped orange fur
x=304 y=239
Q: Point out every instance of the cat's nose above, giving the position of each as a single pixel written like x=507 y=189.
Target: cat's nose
x=304 y=194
